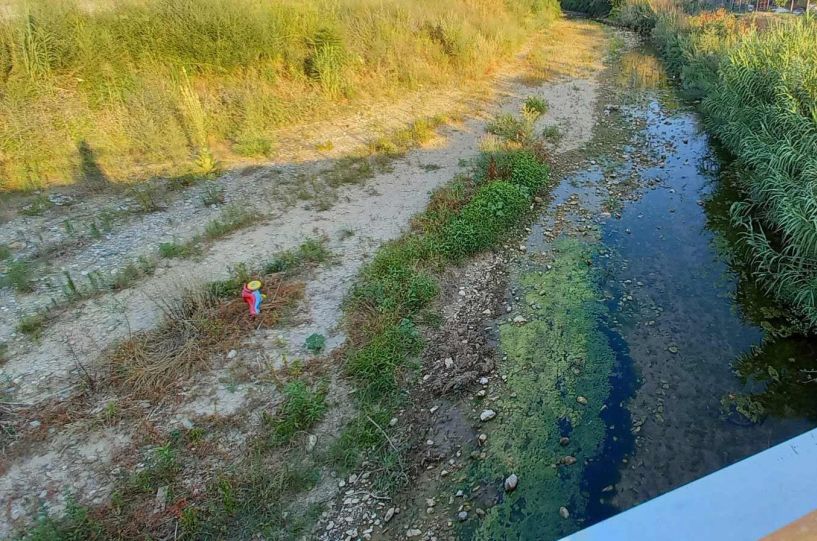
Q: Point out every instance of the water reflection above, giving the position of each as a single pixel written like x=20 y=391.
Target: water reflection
x=641 y=69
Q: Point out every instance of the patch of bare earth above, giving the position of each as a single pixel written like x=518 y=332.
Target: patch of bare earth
x=66 y=436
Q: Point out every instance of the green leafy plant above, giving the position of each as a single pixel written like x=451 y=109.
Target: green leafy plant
x=302 y=407
x=315 y=343
x=536 y=104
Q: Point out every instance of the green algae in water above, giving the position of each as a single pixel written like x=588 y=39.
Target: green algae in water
x=559 y=355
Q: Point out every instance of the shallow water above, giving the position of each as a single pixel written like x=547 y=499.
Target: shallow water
x=687 y=397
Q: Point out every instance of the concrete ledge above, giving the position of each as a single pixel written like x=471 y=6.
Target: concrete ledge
x=745 y=501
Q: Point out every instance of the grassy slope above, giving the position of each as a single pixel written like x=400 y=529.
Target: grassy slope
x=173 y=86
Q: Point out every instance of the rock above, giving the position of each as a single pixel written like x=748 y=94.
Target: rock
x=483 y=438
x=523 y=248
x=459 y=494
x=564 y=513
x=569 y=460
x=161 y=499
x=519 y=320
x=389 y=514
x=353 y=479
x=481 y=393
x=479 y=512
x=581 y=400
x=433 y=409
x=483 y=380
x=449 y=362
x=311 y=441
x=511 y=482
x=487 y=415
x=430 y=502
x=231 y=354
x=673 y=349
x=564 y=441
x=393 y=421
x=413 y=532
x=486 y=312
x=462 y=516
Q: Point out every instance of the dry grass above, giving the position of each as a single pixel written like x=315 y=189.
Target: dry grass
x=170 y=99
x=553 y=61
x=195 y=329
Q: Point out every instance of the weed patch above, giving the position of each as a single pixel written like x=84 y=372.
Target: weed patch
x=232 y=218
x=32 y=325
x=180 y=249
x=311 y=252
x=18 y=276
x=302 y=407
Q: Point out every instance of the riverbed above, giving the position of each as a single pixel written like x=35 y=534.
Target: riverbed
x=637 y=358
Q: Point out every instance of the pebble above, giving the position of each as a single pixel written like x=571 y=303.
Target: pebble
x=483 y=380
x=581 y=400
x=413 y=532
x=673 y=349
x=569 y=460
x=483 y=438
x=311 y=441
x=449 y=362
x=393 y=421
x=564 y=513
x=564 y=441
x=232 y=353
x=511 y=482
x=462 y=516
x=481 y=393
x=487 y=415
x=433 y=409
x=389 y=514
x=520 y=320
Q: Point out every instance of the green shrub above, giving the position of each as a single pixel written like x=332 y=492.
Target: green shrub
x=495 y=208
x=315 y=343
x=5 y=252
x=374 y=366
x=302 y=407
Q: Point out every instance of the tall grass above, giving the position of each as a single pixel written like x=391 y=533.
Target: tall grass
x=154 y=86
x=764 y=110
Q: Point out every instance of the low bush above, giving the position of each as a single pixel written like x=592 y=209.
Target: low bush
x=302 y=407
x=494 y=208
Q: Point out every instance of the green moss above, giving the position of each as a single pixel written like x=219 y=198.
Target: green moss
x=560 y=354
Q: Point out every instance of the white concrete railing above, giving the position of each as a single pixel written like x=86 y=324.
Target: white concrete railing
x=742 y=502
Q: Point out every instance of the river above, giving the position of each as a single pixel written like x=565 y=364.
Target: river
x=646 y=358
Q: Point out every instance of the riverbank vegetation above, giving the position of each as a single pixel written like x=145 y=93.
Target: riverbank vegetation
x=130 y=90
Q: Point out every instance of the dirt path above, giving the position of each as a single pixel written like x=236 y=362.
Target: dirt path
x=362 y=217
